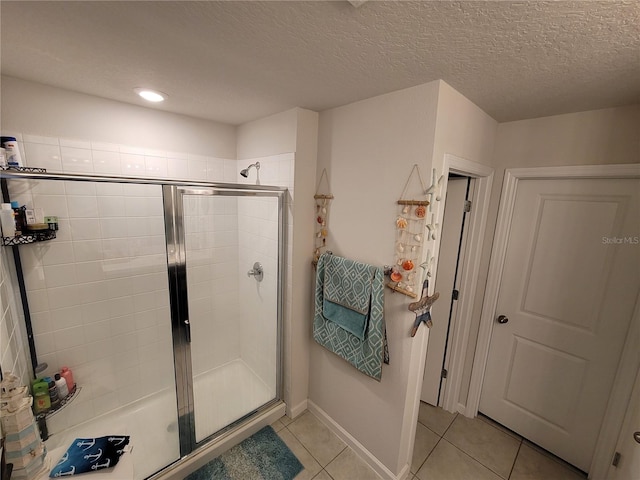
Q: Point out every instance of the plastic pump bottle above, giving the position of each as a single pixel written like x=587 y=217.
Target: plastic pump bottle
x=7 y=220
x=61 y=384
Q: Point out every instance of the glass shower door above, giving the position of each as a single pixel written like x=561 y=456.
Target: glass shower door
x=229 y=310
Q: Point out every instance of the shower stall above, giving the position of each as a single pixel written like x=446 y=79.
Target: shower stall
x=164 y=298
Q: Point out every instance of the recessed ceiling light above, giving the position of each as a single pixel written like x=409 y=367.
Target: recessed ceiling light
x=150 y=95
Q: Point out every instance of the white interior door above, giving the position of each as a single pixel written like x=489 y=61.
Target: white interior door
x=447 y=261
x=570 y=281
x=628 y=447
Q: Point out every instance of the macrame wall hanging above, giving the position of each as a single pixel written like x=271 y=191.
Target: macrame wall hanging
x=410 y=233
x=323 y=201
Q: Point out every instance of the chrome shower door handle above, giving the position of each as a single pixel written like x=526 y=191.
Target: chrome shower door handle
x=257 y=271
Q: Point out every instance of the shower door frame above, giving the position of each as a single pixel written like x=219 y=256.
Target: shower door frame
x=181 y=330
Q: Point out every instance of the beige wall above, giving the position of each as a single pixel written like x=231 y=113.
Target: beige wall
x=607 y=136
x=268 y=136
x=369 y=149
x=43 y=110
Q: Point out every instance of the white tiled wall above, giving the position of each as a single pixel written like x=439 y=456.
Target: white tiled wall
x=81 y=156
x=98 y=293
x=211 y=236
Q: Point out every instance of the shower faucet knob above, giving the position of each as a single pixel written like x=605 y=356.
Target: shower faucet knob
x=256 y=272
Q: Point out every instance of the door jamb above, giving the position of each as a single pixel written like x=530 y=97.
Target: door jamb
x=630 y=360
x=483 y=176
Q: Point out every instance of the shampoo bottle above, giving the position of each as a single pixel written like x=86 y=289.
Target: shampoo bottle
x=68 y=376
x=61 y=383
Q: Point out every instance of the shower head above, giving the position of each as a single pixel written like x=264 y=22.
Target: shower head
x=245 y=172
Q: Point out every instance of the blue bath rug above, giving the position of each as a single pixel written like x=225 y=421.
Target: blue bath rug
x=262 y=456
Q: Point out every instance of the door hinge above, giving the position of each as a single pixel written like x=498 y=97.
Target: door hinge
x=467 y=206
x=455 y=294
x=444 y=373
x=616 y=459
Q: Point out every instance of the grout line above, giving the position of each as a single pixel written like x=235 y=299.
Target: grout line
x=425 y=460
x=476 y=460
x=515 y=460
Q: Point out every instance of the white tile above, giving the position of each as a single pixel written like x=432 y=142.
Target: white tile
x=52 y=204
x=131 y=150
x=85 y=229
x=91 y=293
x=96 y=331
x=108 y=189
x=87 y=272
x=38 y=301
x=106 y=147
x=27 y=138
x=115 y=248
x=43 y=156
x=48 y=187
x=111 y=206
x=116 y=227
x=34 y=277
x=121 y=306
x=60 y=275
x=76 y=160
x=87 y=250
x=69 y=338
x=41 y=322
x=66 y=317
x=197 y=168
x=45 y=343
x=215 y=170
x=57 y=253
x=82 y=207
x=122 y=325
x=95 y=312
x=61 y=297
x=132 y=165
x=75 y=143
x=80 y=188
x=156 y=167
x=72 y=356
x=118 y=287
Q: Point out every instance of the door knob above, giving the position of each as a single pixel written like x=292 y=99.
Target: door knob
x=502 y=319
x=636 y=436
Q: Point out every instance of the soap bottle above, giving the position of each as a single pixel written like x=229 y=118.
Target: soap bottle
x=41 y=399
x=68 y=376
x=7 y=220
x=61 y=384
x=53 y=392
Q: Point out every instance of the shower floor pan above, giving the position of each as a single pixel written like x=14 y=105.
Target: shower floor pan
x=151 y=421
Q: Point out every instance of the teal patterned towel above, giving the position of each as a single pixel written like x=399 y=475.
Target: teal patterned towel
x=361 y=287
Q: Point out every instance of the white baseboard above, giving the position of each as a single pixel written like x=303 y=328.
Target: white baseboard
x=293 y=412
x=357 y=447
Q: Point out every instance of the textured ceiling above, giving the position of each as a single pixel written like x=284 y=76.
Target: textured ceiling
x=236 y=61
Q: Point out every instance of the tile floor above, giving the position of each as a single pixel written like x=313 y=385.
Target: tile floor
x=448 y=447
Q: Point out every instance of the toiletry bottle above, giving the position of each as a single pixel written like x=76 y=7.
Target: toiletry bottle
x=7 y=219
x=10 y=144
x=41 y=399
x=53 y=392
x=61 y=384
x=68 y=376
x=3 y=157
x=20 y=218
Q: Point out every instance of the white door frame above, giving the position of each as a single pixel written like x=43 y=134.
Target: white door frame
x=630 y=360
x=459 y=338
